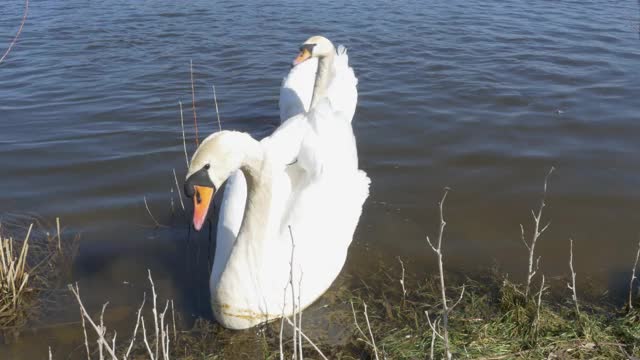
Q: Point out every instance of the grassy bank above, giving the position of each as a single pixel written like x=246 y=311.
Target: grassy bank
x=493 y=320
x=401 y=313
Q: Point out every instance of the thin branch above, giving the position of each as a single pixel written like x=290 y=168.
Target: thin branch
x=299 y=316
x=146 y=342
x=15 y=38
x=84 y=329
x=459 y=299
x=175 y=177
x=537 y=321
x=434 y=332
x=433 y=325
x=355 y=321
x=430 y=244
x=404 y=290
x=633 y=277
x=85 y=315
x=193 y=102
x=164 y=333
x=135 y=329
x=215 y=100
x=173 y=317
x=522 y=237
x=58 y=227
x=433 y=342
x=154 y=310
x=284 y=303
x=103 y=331
x=572 y=286
x=536 y=233
x=150 y=214
x=373 y=340
x=438 y=250
x=184 y=139
x=370 y=341
x=293 y=295
x=315 y=347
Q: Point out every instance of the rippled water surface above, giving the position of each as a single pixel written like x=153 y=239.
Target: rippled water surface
x=480 y=96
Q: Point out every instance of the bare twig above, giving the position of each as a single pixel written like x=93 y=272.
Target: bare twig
x=299 y=316
x=633 y=277
x=404 y=290
x=150 y=214
x=572 y=286
x=284 y=304
x=58 y=227
x=282 y=325
x=537 y=321
x=146 y=341
x=164 y=333
x=15 y=38
x=535 y=235
x=84 y=329
x=184 y=139
x=438 y=250
x=373 y=340
x=193 y=102
x=293 y=295
x=433 y=340
x=433 y=325
x=175 y=177
x=155 y=311
x=103 y=332
x=370 y=341
x=459 y=299
x=98 y=329
x=315 y=347
x=173 y=318
x=434 y=333
x=215 y=100
x=135 y=330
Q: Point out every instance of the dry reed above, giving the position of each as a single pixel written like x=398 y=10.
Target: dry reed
x=14 y=279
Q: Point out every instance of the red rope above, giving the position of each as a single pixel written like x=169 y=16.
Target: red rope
x=15 y=39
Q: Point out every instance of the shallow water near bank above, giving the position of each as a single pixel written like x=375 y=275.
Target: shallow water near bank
x=483 y=97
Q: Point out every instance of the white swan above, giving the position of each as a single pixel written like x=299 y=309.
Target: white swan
x=320 y=200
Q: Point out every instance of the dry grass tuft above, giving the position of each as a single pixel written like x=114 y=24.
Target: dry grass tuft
x=33 y=262
x=14 y=279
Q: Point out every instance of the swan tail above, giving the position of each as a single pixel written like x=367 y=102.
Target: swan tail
x=358 y=192
x=363 y=182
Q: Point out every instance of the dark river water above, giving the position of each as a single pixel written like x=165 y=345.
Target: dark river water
x=480 y=96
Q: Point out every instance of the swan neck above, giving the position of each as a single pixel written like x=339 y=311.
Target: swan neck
x=324 y=75
x=255 y=229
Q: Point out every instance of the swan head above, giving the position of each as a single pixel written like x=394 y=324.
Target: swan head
x=315 y=46
x=213 y=162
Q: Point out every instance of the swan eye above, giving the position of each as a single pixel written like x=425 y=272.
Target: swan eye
x=307 y=47
x=207 y=167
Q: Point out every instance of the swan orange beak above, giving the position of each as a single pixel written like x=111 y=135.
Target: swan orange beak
x=201 y=203
x=302 y=56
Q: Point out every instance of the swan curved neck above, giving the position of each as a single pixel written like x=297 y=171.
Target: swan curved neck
x=325 y=73
x=255 y=228
x=255 y=225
